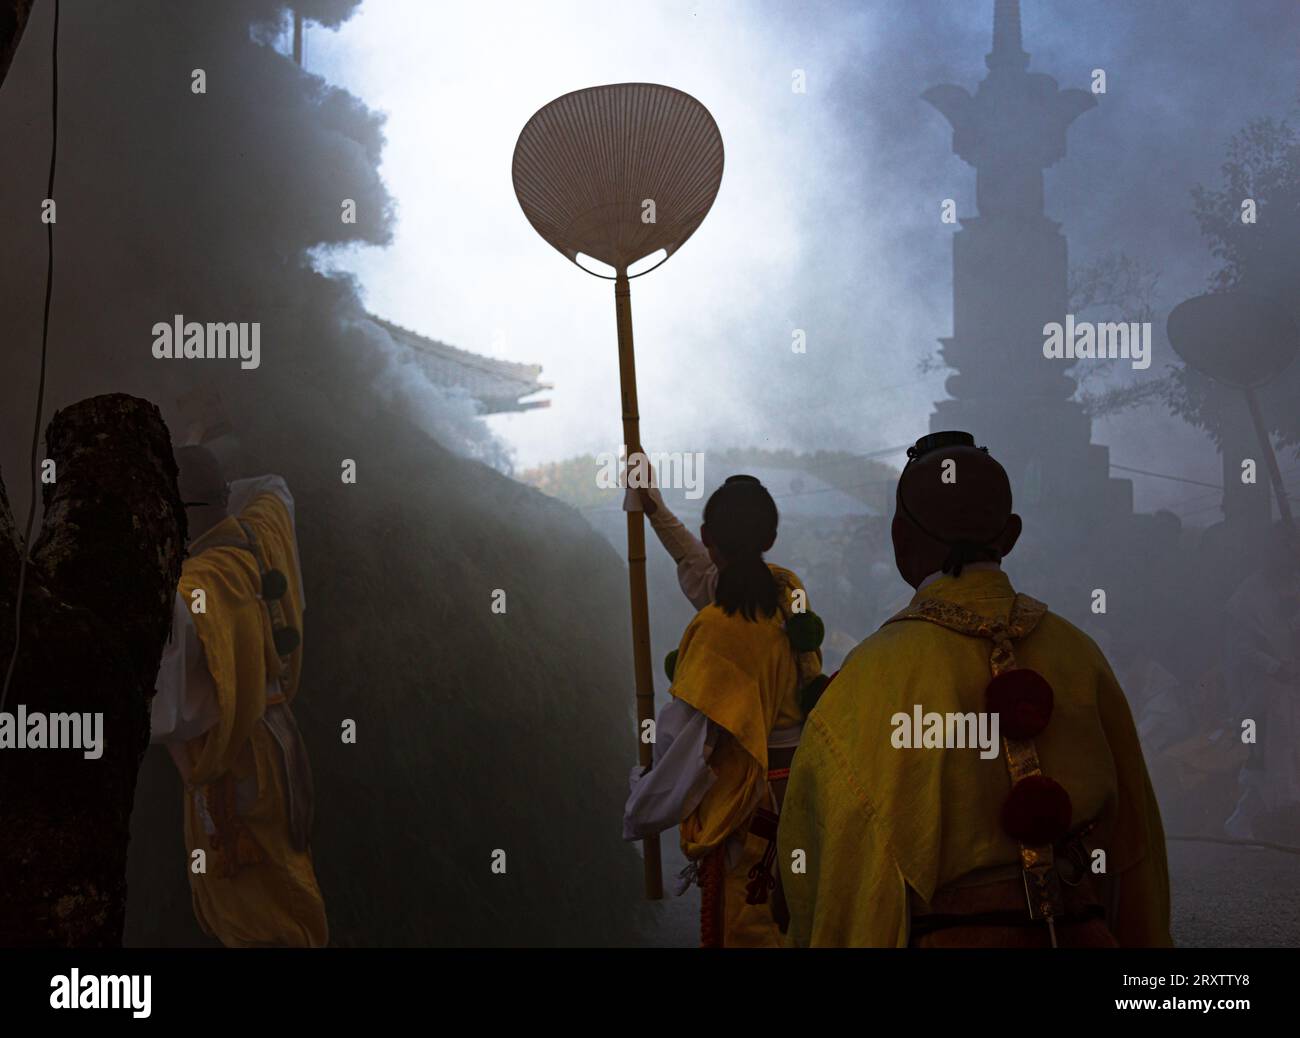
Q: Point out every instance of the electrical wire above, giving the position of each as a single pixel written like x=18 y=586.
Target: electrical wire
x=1162 y=475
x=45 y=342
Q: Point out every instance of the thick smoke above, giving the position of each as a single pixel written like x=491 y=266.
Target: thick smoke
x=449 y=415
x=875 y=271
x=475 y=731
x=828 y=219
x=206 y=205
x=480 y=731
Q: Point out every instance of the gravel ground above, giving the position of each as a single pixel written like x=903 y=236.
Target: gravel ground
x=674 y=921
x=1234 y=897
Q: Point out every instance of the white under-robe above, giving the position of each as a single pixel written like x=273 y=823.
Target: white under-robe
x=696 y=573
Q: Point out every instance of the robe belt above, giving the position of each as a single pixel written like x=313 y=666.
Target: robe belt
x=934 y=922
x=779 y=760
x=1001 y=904
x=995 y=896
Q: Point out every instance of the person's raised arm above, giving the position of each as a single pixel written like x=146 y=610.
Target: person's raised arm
x=696 y=572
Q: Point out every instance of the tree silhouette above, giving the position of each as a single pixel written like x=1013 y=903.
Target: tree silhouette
x=1262 y=165
x=96 y=610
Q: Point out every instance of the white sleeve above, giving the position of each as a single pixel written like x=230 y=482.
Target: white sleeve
x=696 y=573
x=185 y=700
x=698 y=578
x=681 y=775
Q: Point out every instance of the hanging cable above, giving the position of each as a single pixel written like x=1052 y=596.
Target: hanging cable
x=45 y=341
x=1163 y=475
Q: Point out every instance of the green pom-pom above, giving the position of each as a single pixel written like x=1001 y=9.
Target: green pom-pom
x=806 y=631
x=812 y=692
x=670 y=664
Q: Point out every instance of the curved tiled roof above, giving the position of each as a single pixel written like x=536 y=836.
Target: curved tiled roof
x=498 y=385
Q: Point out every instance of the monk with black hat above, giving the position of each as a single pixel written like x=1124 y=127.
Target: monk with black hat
x=972 y=775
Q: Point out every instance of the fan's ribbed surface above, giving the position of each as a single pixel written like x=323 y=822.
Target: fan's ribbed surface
x=585 y=163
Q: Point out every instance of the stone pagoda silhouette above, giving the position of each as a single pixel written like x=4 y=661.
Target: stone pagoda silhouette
x=1009 y=280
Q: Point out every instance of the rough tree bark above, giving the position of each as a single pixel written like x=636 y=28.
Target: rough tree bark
x=13 y=20
x=96 y=613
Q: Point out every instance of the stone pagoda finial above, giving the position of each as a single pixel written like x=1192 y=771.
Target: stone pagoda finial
x=1008 y=51
x=1013 y=126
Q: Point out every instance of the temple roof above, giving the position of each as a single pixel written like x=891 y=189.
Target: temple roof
x=498 y=385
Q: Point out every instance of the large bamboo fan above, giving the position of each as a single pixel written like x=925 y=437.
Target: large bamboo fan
x=587 y=164
x=620 y=173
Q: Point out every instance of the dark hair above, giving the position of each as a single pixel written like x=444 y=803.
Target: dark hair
x=199 y=473
x=741 y=519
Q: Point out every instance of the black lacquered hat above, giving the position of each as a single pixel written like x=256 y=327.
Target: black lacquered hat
x=940 y=440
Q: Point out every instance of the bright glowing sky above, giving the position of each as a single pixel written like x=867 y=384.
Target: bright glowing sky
x=827 y=216
x=458 y=83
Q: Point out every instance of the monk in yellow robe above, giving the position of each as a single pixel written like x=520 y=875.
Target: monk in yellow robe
x=723 y=745
x=225 y=684
x=972 y=775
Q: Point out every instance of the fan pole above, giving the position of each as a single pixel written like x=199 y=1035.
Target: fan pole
x=1270 y=459
x=645 y=687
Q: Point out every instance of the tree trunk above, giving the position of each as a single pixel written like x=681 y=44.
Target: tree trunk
x=96 y=614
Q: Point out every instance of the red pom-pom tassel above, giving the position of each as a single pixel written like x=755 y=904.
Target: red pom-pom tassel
x=1037 y=812
x=1023 y=700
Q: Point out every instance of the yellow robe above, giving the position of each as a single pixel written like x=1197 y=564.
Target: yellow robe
x=257 y=890
x=873 y=821
x=745 y=677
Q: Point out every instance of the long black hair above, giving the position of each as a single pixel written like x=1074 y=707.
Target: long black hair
x=741 y=519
